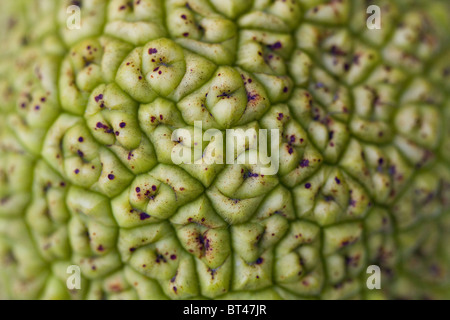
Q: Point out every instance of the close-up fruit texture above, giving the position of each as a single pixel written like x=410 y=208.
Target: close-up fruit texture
x=93 y=205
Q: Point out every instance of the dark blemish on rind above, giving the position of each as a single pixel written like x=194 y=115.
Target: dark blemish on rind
x=100 y=248
x=173 y=257
x=277 y=45
x=37 y=107
x=337 y=180
x=251 y=97
x=122 y=125
x=132 y=249
x=285 y=89
x=280 y=116
x=380 y=161
x=250 y=174
x=152 y=51
x=80 y=139
x=80 y=153
x=308 y=185
x=183 y=16
x=43 y=99
x=331 y=135
x=77 y=171
x=259 y=261
x=154 y=188
x=76 y=3
x=304 y=163
x=143 y=216
x=111 y=176
x=186 y=34
x=175 y=289
x=99 y=97
x=138 y=189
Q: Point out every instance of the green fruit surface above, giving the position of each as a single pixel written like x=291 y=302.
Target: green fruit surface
x=87 y=179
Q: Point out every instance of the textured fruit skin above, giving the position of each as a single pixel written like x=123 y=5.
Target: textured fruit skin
x=86 y=176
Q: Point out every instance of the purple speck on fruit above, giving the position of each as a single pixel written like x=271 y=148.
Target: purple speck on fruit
x=98 y=98
x=144 y=216
x=304 y=163
x=277 y=45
